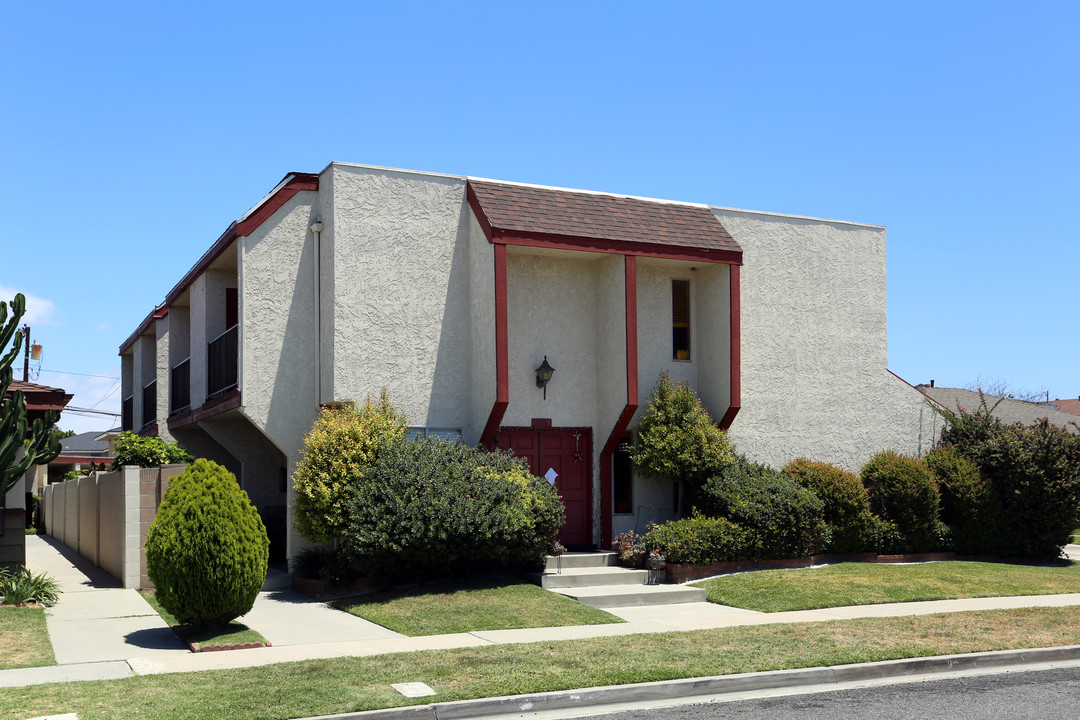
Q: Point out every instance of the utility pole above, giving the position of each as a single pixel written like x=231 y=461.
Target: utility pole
x=26 y=358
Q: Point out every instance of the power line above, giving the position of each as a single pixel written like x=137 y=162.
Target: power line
x=85 y=411
x=65 y=372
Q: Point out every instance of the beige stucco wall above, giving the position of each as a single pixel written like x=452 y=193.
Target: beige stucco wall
x=814 y=378
x=482 y=372
x=400 y=319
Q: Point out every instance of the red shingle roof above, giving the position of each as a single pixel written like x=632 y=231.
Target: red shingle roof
x=530 y=210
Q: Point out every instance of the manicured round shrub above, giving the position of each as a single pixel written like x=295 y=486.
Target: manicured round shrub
x=207 y=550
x=342 y=443
x=968 y=503
x=700 y=540
x=787 y=516
x=902 y=492
x=434 y=508
x=846 y=504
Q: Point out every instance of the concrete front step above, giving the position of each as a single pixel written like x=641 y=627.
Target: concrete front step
x=276 y=580
x=633 y=595
x=593 y=576
x=581 y=560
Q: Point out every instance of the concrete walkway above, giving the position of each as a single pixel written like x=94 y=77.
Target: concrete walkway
x=100 y=631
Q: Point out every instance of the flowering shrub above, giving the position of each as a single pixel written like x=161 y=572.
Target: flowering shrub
x=700 y=539
x=430 y=508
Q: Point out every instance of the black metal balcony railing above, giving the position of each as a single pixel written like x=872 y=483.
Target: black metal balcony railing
x=180 y=387
x=126 y=412
x=221 y=354
x=149 y=403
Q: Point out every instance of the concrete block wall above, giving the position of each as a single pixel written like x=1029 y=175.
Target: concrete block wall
x=13 y=541
x=105 y=518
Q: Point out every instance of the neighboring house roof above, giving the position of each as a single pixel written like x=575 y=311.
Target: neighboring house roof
x=1071 y=405
x=529 y=209
x=1010 y=411
x=40 y=398
x=85 y=444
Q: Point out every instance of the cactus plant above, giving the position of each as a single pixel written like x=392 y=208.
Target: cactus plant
x=40 y=444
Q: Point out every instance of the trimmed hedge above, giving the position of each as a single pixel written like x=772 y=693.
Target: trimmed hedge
x=1034 y=472
x=433 y=508
x=969 y=505
x=850 y=524
x=902 y=492
x=700 y=540
x=207 y=550
x=787 y=516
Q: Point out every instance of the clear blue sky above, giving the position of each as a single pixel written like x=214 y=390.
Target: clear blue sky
x=134 y=133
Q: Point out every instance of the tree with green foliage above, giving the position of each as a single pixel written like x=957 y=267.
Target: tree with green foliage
x=677 y=440
x=36 y=439
x=340 y=446
x=132 y=449
x=207 y=549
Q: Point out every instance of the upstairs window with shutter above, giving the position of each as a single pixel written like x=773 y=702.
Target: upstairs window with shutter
x=680 y=320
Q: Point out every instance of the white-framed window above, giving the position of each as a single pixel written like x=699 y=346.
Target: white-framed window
x=449 y=434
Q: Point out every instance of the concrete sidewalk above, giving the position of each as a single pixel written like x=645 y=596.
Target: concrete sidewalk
x=100 y=631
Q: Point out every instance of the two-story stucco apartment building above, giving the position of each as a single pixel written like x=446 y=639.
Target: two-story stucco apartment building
x=451 y=291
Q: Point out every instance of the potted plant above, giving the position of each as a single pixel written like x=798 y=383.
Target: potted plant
x=630 y=548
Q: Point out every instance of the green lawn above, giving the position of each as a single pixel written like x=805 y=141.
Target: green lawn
x=235 y=633
x=464 y=607
x=342 y=685
x=24 y=641
x=868 y=584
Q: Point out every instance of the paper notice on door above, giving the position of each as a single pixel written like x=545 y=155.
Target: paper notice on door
x=551 y=475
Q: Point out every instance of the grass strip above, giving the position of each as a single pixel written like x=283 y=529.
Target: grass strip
x=24 y=639
x=455 y=607
x=235 y=633
x=867 y=584
x=341 y=685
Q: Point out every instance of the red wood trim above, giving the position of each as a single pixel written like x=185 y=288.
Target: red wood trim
x=143 y=327
x=150 y=430
x=216 y=406
x=630 y=285
x=160 y=312
x=299 y=182
x=618 y=247
x=96 y=459
x=541 y=423
x=627 y=414
x=502 y=350
x=478 y=211
x=736 y=351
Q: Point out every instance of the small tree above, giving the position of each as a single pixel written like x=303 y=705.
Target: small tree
x=336 y=452
x=40 y=444
x=678 y=440
x=207 y=550
x=132 y=449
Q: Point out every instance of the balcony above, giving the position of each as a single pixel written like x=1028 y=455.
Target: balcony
x=180 y=387
x=221 y=356
x=126 y=414
x=149 y=403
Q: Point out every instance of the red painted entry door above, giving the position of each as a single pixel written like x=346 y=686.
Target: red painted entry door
x=567 y=451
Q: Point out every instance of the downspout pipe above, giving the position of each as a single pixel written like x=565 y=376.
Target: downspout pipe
x=316 y=233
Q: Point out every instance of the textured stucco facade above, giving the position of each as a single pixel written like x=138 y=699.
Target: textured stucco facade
x=361 y=278
x=814 y=377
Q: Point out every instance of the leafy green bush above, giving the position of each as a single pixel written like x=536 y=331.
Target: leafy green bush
x=787 y=516
x=849 y=522
x=339 y=447
x=207 y=550
x=701 y=539
x=902 y=492
x=432 y=507
x=20 y=587
x=677 y=440
x=969 y=505
x=1034 y=472
x=132 y=449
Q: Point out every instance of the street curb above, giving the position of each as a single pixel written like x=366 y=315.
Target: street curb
x=718 y=685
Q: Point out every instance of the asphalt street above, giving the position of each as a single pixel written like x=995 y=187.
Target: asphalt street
x=1015 y=695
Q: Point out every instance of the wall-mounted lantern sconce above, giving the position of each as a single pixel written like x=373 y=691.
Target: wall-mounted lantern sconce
x=543 y=375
